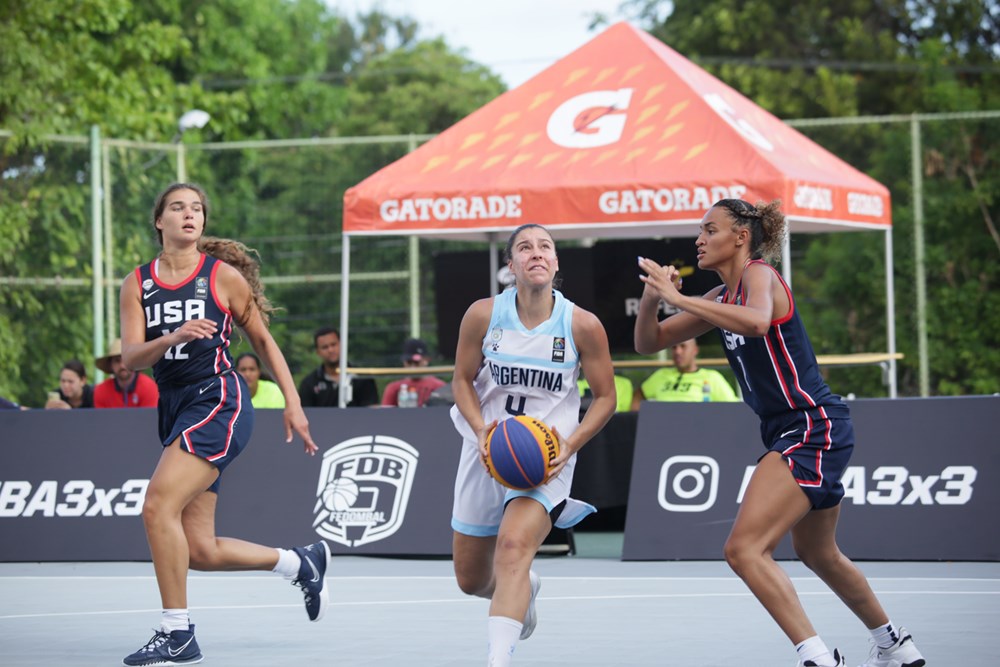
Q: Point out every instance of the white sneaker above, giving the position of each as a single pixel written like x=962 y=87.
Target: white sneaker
x=836 y=656
x=530 y=617
x=903 y=653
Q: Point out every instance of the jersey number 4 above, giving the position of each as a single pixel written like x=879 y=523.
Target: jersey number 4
x=515 y=411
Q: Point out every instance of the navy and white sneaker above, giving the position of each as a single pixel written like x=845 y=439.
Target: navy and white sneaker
x=903 y=653
x=312 y=577
x=841 y=662
x=175 y=648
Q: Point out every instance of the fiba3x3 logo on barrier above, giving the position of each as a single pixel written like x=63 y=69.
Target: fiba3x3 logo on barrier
x=690 y=483
x=364 y=488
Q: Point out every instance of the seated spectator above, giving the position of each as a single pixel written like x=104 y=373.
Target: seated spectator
x=321 y=388
x=125 y=388
x=73 y=392
x=263 y=392
x=685 y=381
x=623 y=389
x=412 y=391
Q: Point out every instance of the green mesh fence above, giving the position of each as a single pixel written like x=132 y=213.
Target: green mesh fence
x=286 y=200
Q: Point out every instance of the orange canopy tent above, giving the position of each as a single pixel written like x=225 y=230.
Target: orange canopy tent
x=624 y=137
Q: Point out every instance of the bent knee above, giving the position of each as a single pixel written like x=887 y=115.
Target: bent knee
x=203 y=555
x=819 y=560
x=740 y=554
x=514 y=548
x=473 y=582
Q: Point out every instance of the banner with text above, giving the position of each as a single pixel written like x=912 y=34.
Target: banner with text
x=918 y=486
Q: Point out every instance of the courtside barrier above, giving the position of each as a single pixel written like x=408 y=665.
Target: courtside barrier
x=920 y=485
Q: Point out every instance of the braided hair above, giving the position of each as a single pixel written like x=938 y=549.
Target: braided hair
x=766 y=223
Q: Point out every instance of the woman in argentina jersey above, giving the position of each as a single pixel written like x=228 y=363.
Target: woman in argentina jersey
x=520 y=352
x=177 y=315
x=796 y=486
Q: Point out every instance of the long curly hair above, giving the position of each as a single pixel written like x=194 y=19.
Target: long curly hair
x=766 y=223
x=247 y=262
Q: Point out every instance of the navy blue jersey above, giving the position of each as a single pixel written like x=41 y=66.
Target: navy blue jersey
x=778 y=372
x=167 y=307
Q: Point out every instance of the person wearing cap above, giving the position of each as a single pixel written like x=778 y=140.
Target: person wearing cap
x=125 y=388
x=412 y=391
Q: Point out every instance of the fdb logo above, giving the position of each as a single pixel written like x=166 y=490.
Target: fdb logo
x=364 y=487
x=688 y=483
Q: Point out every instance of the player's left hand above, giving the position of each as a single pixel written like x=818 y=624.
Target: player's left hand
x=559 y=462
x=295 y=420
x=483 y=435
x=666 y=280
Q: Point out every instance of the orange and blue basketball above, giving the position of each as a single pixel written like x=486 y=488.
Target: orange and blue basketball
x=519 y=451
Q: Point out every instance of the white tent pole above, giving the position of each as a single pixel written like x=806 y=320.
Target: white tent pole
x=786 y=259
x=920 y=275
x=414 y=287
x=97 y=242
x=414 y=270
x=345 y=299
x=494 y=265
x=890 y=311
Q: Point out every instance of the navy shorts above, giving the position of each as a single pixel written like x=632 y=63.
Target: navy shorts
x=213 y=418
x=817 y=448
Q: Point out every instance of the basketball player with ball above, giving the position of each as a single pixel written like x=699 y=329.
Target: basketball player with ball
x=519 y=355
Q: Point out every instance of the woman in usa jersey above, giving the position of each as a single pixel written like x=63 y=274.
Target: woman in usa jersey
x=177 y=316
x=520 y=352
x=796 y=486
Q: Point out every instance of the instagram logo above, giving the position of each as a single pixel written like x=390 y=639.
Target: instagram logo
x=688 y=483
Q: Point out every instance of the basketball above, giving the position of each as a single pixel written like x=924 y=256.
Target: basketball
x=340 y=494
x=519 y=451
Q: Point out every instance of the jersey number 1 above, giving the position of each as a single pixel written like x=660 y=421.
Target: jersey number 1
x=174 y=353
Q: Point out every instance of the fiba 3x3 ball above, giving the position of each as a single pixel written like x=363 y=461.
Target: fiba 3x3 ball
x=519 y=451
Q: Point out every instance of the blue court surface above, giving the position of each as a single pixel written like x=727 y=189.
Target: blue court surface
x=593 y=610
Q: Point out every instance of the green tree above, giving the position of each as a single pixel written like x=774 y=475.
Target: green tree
x=817 y=59
x=275 y=69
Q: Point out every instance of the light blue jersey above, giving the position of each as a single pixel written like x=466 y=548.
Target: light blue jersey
x=528 y=372
x=524 y=372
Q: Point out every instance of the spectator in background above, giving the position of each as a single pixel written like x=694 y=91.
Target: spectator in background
x=263 y=392
x=623 y=388
x=125 y=388
x=73 y=392
x=320 y=389
x=684 y=381
x=412 y=391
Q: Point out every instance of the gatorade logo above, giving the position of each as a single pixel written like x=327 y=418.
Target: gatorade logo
x=589 y=120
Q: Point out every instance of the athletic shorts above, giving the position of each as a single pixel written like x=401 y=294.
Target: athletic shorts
x=480 y=499
x=213 y=418
x=817 y=449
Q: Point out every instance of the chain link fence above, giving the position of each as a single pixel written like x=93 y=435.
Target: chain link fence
x=285 y=199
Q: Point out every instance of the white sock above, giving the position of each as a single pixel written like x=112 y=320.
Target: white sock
x=288 y=563
x=503 y=633
x=815 y=649
x=174 y=619
x=885 y=635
